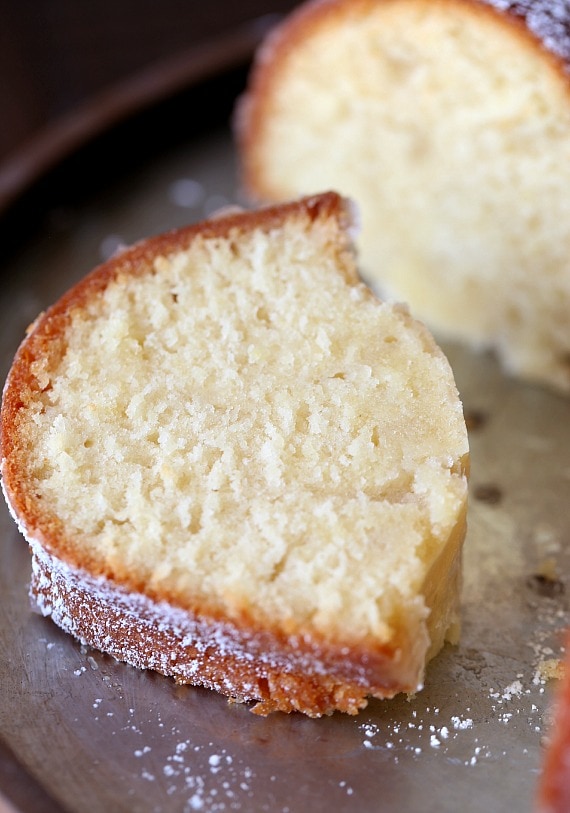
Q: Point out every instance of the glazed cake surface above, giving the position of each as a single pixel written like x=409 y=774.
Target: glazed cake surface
x=448 y=121
x=236 y=466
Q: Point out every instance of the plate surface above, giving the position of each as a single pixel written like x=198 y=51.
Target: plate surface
x=99 y=736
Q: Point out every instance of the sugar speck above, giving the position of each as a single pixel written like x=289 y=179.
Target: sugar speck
x=461 y=724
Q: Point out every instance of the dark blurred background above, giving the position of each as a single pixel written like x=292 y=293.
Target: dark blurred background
x=85 y=80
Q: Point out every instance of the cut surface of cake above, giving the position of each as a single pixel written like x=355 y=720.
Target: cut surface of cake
x=236 y=466
x=448 y=121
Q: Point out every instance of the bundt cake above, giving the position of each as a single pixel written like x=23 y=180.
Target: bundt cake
x=236 y=466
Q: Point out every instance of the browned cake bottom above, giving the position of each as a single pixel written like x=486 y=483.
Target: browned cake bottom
x=280 y=673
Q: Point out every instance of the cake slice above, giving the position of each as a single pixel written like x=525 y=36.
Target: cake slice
x=449 y=122
x=236 y=466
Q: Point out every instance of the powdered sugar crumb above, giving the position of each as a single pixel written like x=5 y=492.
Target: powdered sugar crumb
x=457 y=737
x=412 y=735
x=515 y=689
x=460 y=724
x=142 y=751
x=212 y=781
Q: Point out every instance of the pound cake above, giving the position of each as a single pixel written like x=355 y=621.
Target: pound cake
x=554 y=785
x=449 y=122
x=236 y=466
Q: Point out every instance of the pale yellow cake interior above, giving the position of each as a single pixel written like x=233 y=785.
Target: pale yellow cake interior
x=451 y=127
x=247 y=426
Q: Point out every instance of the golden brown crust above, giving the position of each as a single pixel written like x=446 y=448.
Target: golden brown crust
x=252 y=108
x=276 y=672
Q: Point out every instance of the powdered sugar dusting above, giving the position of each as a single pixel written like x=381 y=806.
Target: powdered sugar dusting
x=222 y=782
x=549 y=20
x=53 y=582
x=133 y=628
x=460 y=738
x=188 y=772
